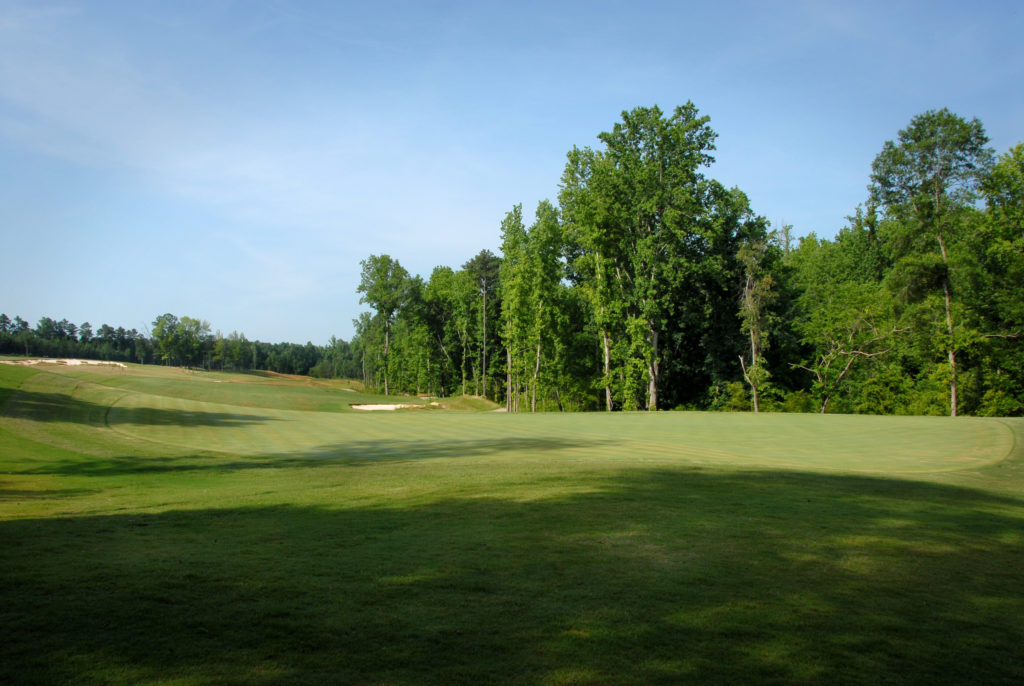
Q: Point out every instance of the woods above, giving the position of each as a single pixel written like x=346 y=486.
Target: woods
x=653 y=286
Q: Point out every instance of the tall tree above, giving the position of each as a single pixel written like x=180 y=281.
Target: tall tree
x=516 y=289
x=635 y=211
x=589 y=247
x=923 y=182
x=757 y=294
x=450 y=295
x=1000 y=271
x=1003 y=239
x=544 y=242
x=165 y=331
x=383 y=283
x=485 y=270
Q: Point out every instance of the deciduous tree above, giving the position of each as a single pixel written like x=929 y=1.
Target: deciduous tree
x=923 y=182
x=384 y=283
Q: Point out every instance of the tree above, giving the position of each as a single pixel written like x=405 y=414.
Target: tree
x=85 y=332
x=485 y=269
x=384 y=284
x=644 y=225
x=165 y=330
x=106 y=332
x=757 y=294
x=923 y=183
x=196 y=340
x=449 y=296
x=1002 y=239
x=183 y=341
x=544 y=252
x=590 y=267
x=1000 y=273
x=48 y=329
x=843 y=315
x=516 y=288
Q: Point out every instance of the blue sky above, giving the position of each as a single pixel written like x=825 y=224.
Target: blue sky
x=234 y=161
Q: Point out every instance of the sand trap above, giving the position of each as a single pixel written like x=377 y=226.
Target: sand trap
x=387 y=408
x=72 y=363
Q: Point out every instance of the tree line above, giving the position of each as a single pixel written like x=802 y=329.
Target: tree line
x=650 y=285
x=183 y=341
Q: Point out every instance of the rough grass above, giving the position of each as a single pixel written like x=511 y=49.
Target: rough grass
x=155 y=530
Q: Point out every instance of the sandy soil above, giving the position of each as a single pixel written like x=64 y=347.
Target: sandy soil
x=382 y=407
x=72 y=363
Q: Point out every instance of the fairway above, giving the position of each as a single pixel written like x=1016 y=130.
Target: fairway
x=163 y=526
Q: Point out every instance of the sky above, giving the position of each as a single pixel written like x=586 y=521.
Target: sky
x=233 y=161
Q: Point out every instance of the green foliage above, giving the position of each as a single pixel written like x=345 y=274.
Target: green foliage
x=384 y=284
x=184 y=341
x=926 y=185
x=652 y=244
x=651 y=282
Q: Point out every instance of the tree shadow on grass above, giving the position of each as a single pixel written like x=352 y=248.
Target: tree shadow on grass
x=21 y=495
x=366 y=452
x=667 y=576
x=350 y=454
x=61 y=407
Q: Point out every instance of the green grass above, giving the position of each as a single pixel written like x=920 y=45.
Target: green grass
x=158 y=527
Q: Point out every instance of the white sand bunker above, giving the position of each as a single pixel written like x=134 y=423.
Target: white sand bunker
x=100 y=363
x=385 y=407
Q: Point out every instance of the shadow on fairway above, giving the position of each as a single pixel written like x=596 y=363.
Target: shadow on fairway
x=652 y=577
x=60 y=407
x=21 y=495
x=364 y=453
x=351 y=454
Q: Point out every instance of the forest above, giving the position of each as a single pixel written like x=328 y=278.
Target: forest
x=185 y=341
x=650 y=285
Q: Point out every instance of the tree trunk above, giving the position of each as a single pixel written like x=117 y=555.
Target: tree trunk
x=483 y=363
x=949 y=326
x=536 y=374
x=387 y=358
x=508 y=379
x=952 y=352
x=652 y=372
x=607 y=370
x=462 y=368
x=753 y=366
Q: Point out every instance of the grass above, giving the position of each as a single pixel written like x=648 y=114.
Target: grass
x=164 y=528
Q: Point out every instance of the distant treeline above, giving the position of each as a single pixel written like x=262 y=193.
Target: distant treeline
x=185 y=341
x=652 y=286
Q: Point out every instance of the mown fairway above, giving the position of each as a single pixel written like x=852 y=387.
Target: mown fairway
x=158 y=526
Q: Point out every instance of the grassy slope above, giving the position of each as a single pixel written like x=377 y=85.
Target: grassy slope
x=170 y=529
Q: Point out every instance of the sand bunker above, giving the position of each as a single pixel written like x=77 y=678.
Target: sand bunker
x=384 y=407
x=29 y=363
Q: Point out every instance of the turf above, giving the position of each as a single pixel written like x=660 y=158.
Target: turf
x=158 y=527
